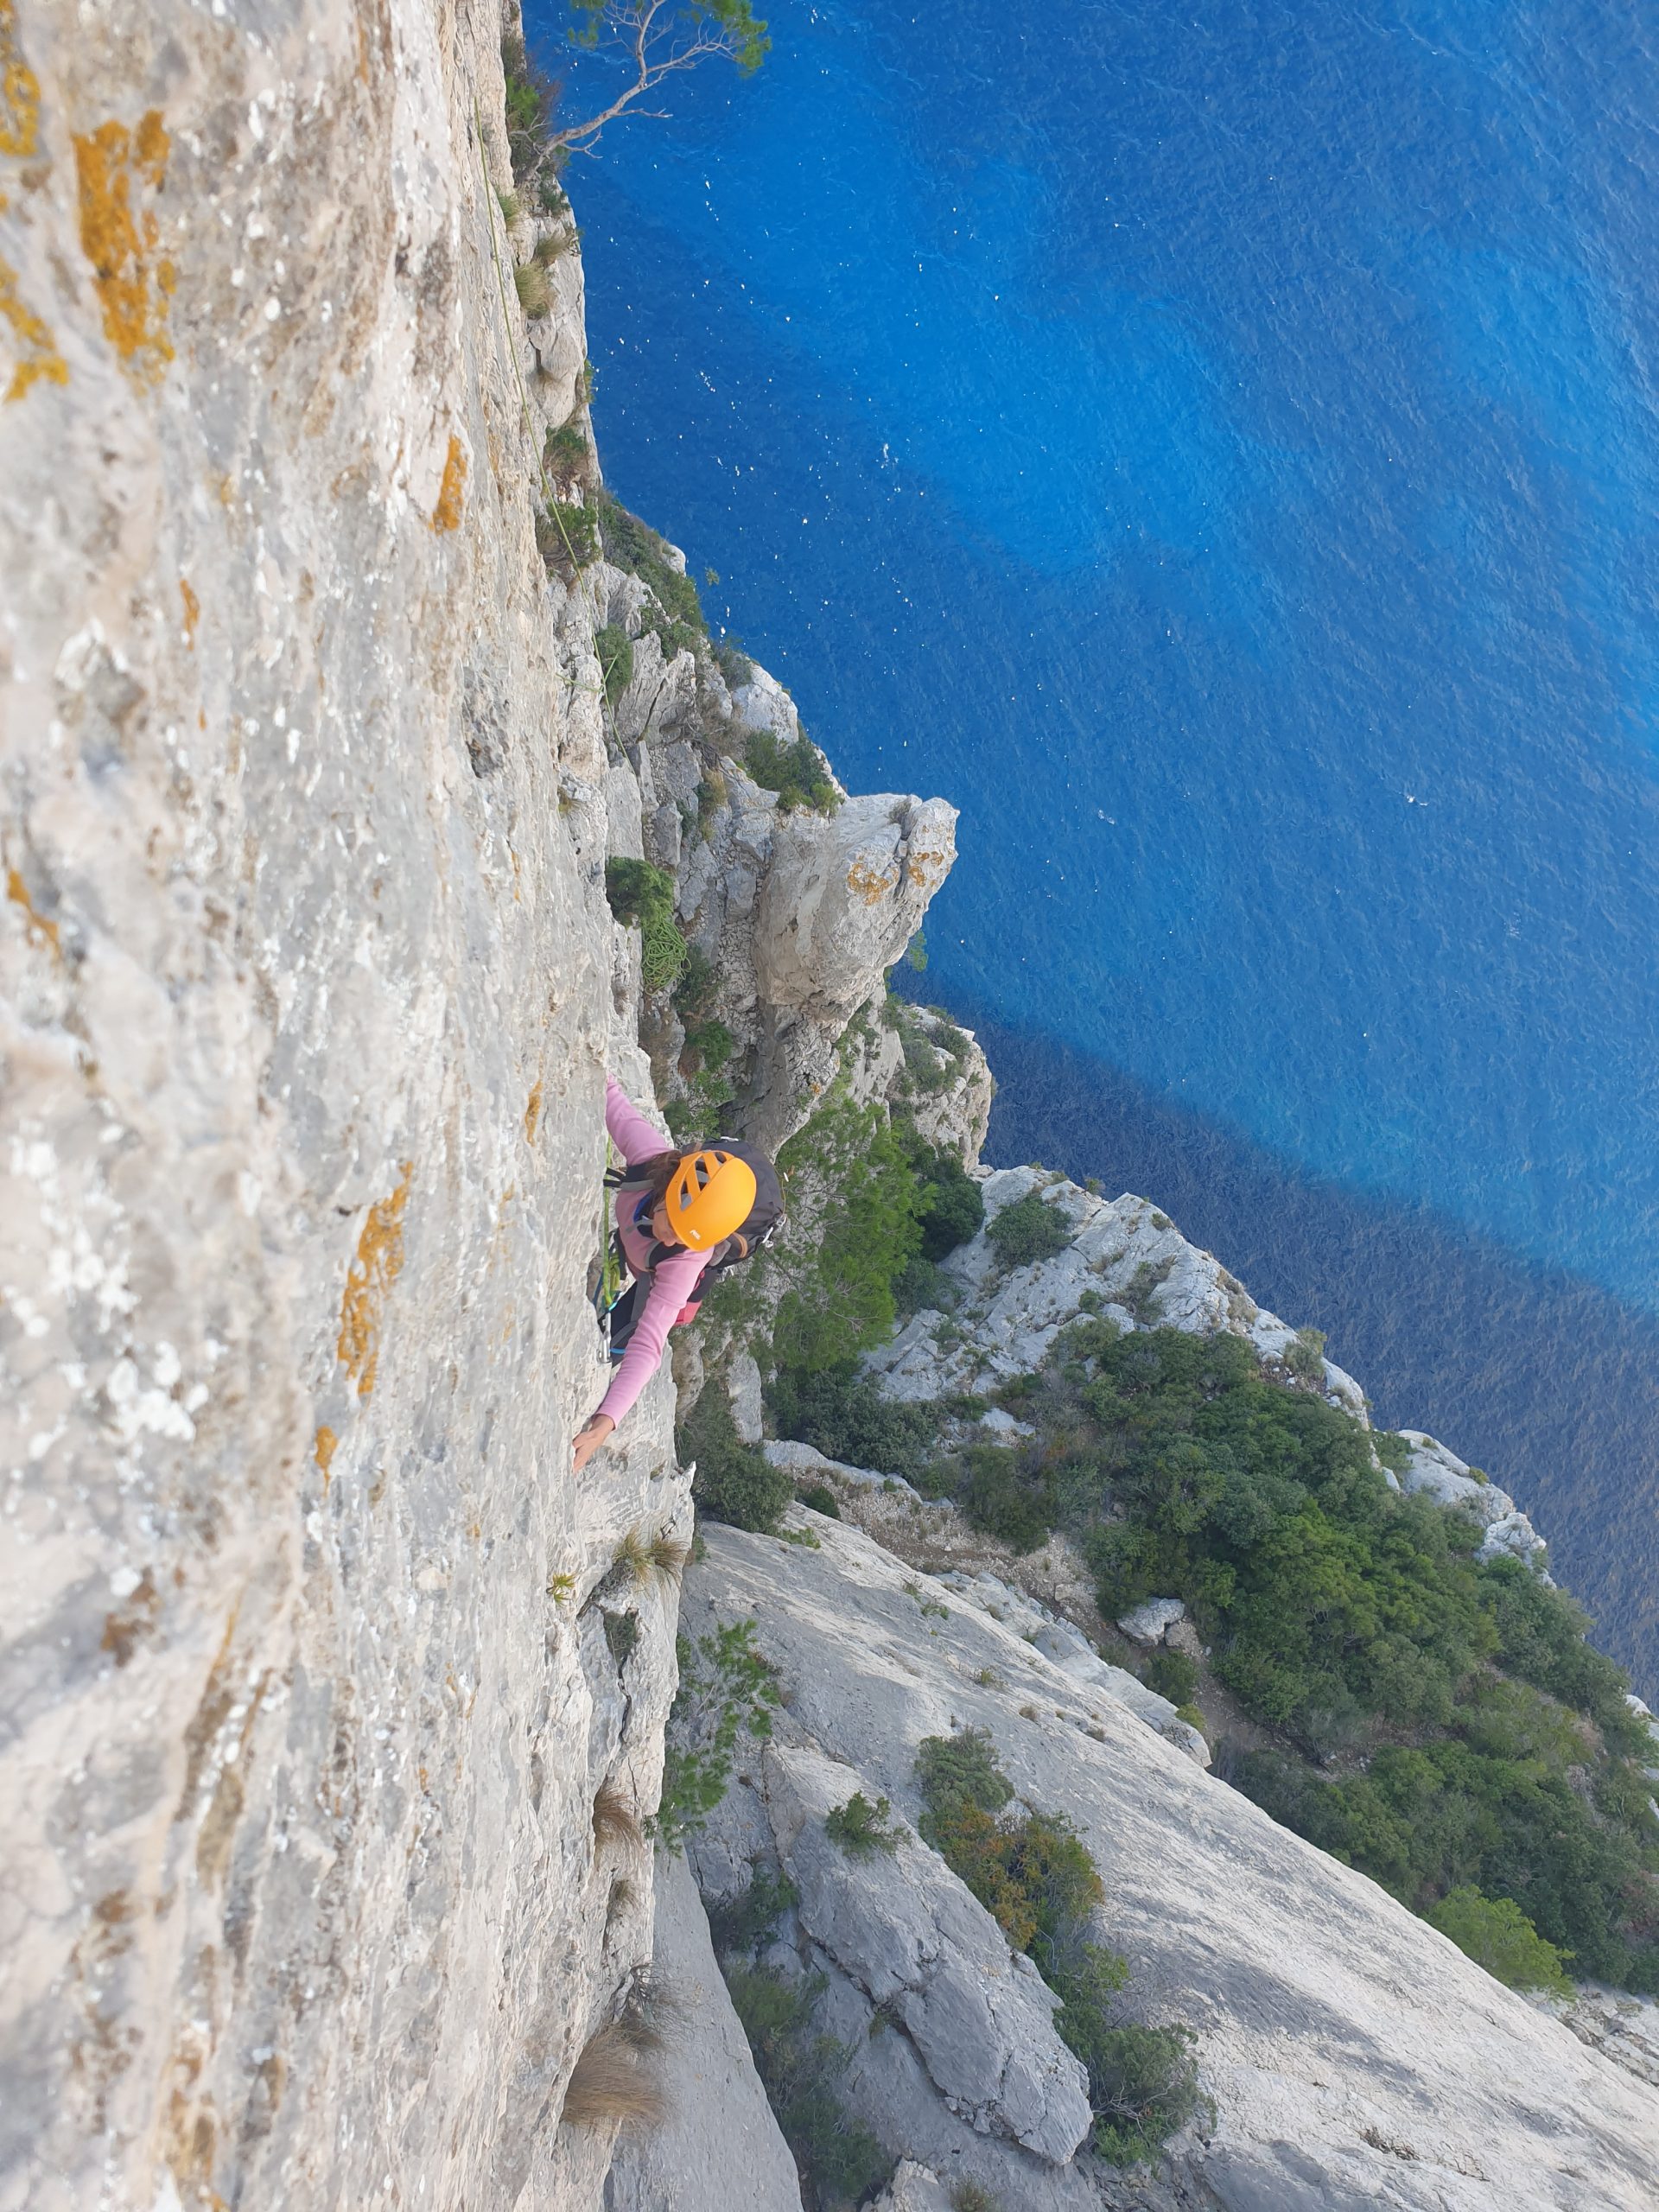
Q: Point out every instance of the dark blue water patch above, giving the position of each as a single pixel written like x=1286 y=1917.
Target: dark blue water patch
x=1536 y=1375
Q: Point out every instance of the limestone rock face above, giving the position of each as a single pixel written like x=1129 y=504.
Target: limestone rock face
x=719 y=2149
x=843 y=896
x=1355 y=2056
x=1132 y=1258
x=307 y=1006
x=1444 y=1476
x=902 y=1926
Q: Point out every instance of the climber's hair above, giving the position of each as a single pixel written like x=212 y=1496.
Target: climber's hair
x=657 y=1173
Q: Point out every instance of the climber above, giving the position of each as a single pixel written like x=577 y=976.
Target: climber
x=680 y=1217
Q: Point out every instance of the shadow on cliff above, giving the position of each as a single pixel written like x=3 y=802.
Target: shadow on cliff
x=1543 y=1379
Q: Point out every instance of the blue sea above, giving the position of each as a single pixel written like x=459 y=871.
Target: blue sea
x=1217 y=448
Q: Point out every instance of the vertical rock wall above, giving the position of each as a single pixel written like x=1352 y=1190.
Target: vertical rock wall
x=307 y=1002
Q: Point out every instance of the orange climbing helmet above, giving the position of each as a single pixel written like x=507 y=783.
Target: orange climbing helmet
x=710 y=1196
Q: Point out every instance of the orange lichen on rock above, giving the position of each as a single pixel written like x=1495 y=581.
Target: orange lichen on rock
x=379 y=1263
x=324 y=1448
x=191 y=612
x=447 y=513
x=533 y=1113
x=869 y=883
x=38 y=358
x=20 y=92
x=133 y=284
x=41 y=932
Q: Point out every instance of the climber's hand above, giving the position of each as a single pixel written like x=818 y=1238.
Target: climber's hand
x=589 y=1440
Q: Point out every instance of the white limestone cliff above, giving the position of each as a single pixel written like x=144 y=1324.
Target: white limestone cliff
x=316 y=1659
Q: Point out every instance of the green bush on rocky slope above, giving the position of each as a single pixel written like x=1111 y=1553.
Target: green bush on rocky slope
x=1441 y=1722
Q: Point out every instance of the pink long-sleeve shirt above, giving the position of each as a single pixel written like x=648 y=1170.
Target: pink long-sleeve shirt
x=674 y=1282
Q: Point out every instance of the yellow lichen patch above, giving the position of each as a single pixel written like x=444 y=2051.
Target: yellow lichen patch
x=533 y=1113
x=869 y=883
x=323 y=1449
x=379 y=1263
x=447 y=514
x=133 y=284
x=20 y=92
x=36 y=356
x=191 y=612
x=41 y=932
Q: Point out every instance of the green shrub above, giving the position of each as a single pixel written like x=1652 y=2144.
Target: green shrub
x=621 y=1634
x=566 y=537
x=1143 y=2085
x=1496 y=1935
x=820 y=1498
x=1173 y=1674
x=795 y=772
x=860 y=1827
x=532 y=96
x=1484 y=1742
x=953 y=1208
x=1305 y=1356
x=958 y=1771
x=1006 y=1497
x=922 y=1287
x=841 y=2161
x=726 y=1689
x=1028 y=1230
x=841 y=1300
x=615 y=650
x=734 y=1482
x=640 y=892
x=711 y=1044
x=634 y=545
x=695 y=992
x=564 y=453
x=1036 y=1877
x=748 y=1923
x=839 y=1412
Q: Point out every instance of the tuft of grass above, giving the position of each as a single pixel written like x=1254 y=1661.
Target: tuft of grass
x=552 y=245
x=611 y=2082
x=638 y=1556
x=668 y=1557
x=652 y=2015
x=1305 y=1356
x=510 y=207
x=972 y=2197
x=535 y=294
x=615 y=650
x=561 y=1588
x=614 y=1819
x=624 y=1891
x=631 y=1558
x=621 y=1634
